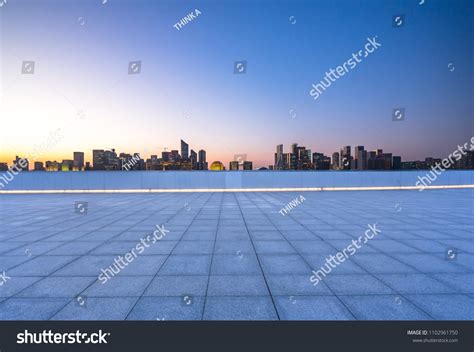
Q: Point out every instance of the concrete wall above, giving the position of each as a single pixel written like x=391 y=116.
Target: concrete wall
x=113 y=180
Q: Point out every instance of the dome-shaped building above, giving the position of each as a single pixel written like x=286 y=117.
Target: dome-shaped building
x=217 y=166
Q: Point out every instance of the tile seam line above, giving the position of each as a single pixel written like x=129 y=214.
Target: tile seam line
x=238 y=202
x=212 y=258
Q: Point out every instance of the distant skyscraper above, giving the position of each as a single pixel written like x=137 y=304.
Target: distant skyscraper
x=387 y=161
x=279 y=164
x=140 y=165
x=98 y=159
x=397 y=162
x=309 y=155
x=174 y=156
x=345 y=158
x=248 y=165
x=79 y=161
x=335 y=161
x=234 y=166
x=361 y=158
x=111 y=160
x=303 y=159
x=21 y=163
x=202 y=160
x=293 y=157
x=39 y=166
x=202 y=156
x=294 y=148
x=286 y=161
x=151 y=164
x=466 y=161
x=371 y=159
x=124 y=161
x=321 y=162
x=165 y=156
x=184 y=150
x=379 y=162
x=194 y=159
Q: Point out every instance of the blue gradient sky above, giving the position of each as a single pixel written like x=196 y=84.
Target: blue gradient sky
x=187 y=88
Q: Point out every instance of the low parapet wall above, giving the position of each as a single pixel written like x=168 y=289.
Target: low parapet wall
x=103 y=181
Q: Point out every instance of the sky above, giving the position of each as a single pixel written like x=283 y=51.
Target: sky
x=187 y=88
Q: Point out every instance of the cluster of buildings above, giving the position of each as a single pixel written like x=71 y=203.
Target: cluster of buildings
x=108 y=160
x=300 y=158
x=169 y=160
x=237 y=165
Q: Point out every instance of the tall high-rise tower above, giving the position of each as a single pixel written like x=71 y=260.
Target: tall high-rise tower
x=184 y=150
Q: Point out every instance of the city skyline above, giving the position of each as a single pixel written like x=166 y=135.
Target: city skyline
x=88 y=156
x=297 y=158
x=192 y=89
